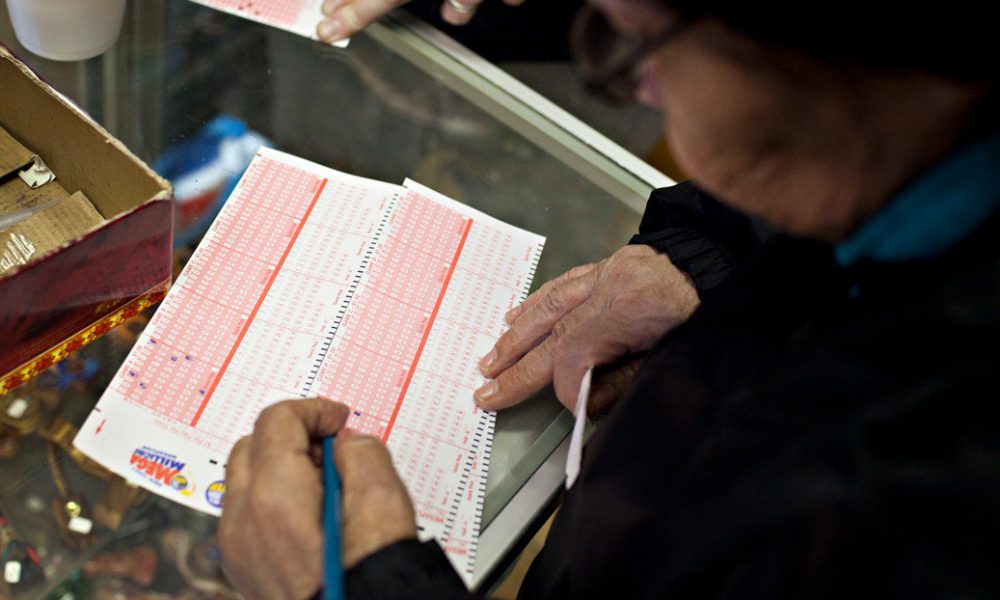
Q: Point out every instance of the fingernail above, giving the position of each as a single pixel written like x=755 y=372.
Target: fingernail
x=329 y=29
x=486 y=392
x=455 y=18
x=331 y=5
x=487 y=361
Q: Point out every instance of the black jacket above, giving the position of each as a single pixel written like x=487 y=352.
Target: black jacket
x=812 y=431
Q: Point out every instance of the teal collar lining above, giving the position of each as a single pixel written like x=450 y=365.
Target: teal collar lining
x=934 y=212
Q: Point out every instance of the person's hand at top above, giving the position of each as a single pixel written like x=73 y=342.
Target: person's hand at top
x=271 y=531
x=344 y=18
x=601 y=314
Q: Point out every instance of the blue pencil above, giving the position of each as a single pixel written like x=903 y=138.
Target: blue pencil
x=332 y=567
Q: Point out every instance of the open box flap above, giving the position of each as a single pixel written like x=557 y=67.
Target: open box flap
x=13 y=156
x=112 y=177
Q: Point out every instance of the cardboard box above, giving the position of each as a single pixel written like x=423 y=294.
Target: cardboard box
x=117 y=211
x=53 y=225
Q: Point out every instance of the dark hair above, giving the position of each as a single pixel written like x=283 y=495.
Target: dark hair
x=955 y=39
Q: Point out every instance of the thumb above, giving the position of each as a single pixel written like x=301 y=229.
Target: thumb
x=610 y=384
x=347 y=17
x=376 y=510
x=364 y=461
x=291 y=425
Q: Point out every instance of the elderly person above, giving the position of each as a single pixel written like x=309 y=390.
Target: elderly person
x=804 y=416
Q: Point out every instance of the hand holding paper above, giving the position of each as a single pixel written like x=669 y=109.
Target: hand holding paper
x=347 y=17
x=297 y=16
x=594 y=314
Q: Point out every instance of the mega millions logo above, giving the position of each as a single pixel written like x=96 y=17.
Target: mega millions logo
x=161 y=468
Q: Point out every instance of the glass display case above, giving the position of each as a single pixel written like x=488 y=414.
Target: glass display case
x=193 y=92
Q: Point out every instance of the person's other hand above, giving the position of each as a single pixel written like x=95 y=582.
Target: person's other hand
x=601 y=314
x=344 y=18
x=271 y=532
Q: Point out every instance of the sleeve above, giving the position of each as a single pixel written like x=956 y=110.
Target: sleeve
x=406 y=570
x=703 y=237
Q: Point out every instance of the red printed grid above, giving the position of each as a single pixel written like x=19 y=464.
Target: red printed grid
x=201 y=288
x=160 y=377
x=277 y=12
x=391 y=316
x=448 y=432
x=351 y=213
x=197 y=330
x=200 y=326
x=489 y=279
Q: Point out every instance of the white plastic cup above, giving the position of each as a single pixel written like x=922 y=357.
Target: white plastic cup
x=66 y=29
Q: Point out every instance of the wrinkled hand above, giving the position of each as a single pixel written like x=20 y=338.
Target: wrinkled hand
x=603 y=313
x=344 y=18
x=271 y=532
x=376 y=509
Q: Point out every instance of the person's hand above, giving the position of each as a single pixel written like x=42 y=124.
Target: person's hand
x=601 y=314
x=376 y=510
x=271 y=532
x=344 y=18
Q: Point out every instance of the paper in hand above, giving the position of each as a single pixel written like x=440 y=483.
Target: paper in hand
x=297 y=16
x=575 y=455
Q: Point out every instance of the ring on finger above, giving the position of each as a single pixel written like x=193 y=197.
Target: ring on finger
x=463 y=9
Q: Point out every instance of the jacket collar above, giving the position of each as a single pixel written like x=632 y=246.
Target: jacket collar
x=934 y=212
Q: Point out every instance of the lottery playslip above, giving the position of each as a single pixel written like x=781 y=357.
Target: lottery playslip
x=313 y=282
x=297 y=16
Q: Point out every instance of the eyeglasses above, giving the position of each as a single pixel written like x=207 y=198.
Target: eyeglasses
x=609 y=60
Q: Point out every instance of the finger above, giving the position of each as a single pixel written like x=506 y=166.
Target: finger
x=459 y=12
x=316 y=451
x=535 y=369
x=347 y=17
x=331 y=6
x=377 y=510
x=513 y=2
x=611 y=385
x=578 y=271
x=230 y=534
x=519 y=382
x=537 y=323
x=593 y=342
x=289 y=427
x=238 y=467
x=363 y=459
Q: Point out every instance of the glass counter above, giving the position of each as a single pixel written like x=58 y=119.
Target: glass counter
x=402 y=101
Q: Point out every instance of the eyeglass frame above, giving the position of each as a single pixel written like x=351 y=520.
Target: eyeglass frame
x=613 y=76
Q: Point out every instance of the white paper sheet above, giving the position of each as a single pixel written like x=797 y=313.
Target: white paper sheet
x=314 y=282
x=297 y=16
x=574 y=456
